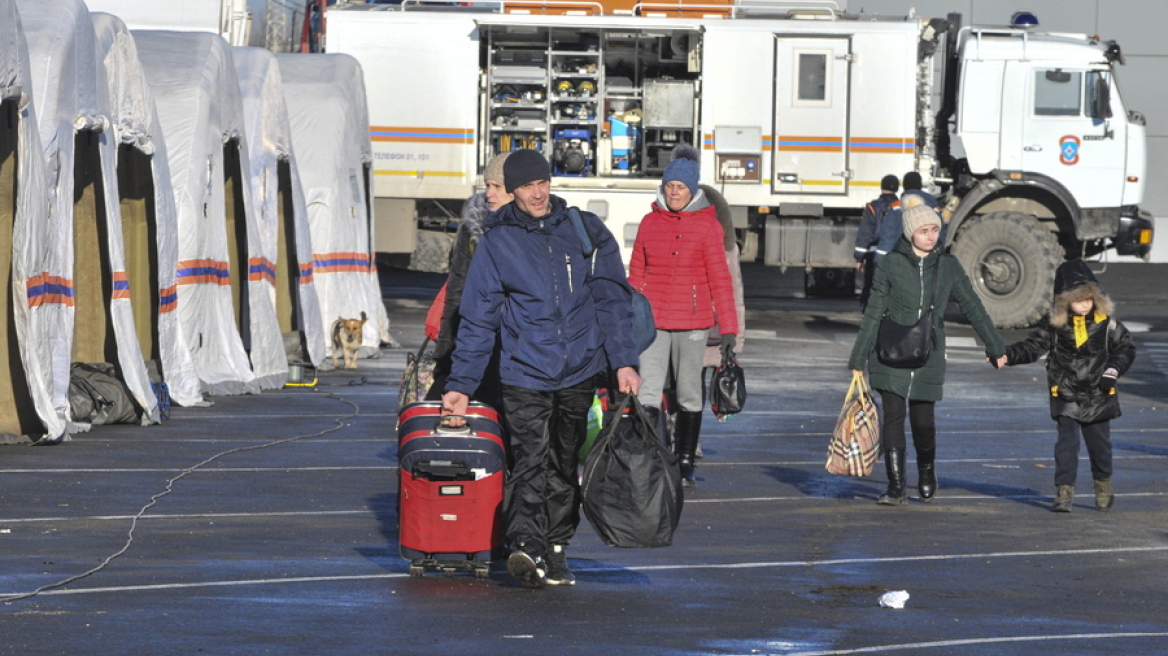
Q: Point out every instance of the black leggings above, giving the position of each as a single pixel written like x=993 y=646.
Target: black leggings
x=920 y=416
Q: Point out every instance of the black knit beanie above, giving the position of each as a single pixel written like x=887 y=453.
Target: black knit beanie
x=912 y=180
x=889 y=183
x=524 y=166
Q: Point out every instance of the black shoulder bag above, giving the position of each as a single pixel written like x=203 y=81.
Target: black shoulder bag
x=908 y=347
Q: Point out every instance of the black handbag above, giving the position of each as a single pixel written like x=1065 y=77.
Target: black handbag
x=907 y=347
x=727 y=387
x=631 y=490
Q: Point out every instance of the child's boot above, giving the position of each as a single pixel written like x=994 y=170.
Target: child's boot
x=1104 y=495
x=1064 y=500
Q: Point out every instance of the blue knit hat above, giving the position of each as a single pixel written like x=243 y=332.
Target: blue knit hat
x=684 y=168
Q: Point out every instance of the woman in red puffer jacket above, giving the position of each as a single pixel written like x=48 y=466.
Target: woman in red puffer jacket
x=679 y=264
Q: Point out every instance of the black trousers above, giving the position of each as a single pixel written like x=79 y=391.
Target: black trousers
x=1097 y=436
x=920 y=417
x=543 y=493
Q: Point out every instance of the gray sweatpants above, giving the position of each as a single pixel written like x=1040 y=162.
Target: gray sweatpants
x=683 y=350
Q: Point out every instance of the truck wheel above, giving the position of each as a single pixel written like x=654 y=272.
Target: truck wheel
x=1010 y=259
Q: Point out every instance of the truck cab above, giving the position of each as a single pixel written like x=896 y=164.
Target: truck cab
x=1047 y=163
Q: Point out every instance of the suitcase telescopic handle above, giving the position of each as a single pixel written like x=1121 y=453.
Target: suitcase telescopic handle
x=446 y=426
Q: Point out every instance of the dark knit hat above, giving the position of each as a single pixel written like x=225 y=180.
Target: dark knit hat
x=684 y=168
x=889 y=183
x=912 y=180
x=1072 y=274
x=524 y=166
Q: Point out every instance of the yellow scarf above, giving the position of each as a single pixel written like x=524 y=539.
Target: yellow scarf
x=1080 y=325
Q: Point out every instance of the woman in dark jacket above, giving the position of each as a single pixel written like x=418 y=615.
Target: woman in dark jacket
x=474 y=216
x=903 y=290
x=1087 y=349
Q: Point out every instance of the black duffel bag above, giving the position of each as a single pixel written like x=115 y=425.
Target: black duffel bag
x=632 y=482
x=97 y=395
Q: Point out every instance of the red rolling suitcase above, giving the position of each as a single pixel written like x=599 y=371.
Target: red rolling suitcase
x=450 y=489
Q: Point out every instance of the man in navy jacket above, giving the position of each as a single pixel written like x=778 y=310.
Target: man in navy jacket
x=563 y=318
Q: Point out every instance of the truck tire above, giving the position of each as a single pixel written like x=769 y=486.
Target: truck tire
x=1010 y=259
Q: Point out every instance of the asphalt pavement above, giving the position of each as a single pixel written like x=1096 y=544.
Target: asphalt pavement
x=266 y=524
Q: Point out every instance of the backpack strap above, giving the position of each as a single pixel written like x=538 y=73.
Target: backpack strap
x=586 y=244
x=885 y=206
x=581 y=232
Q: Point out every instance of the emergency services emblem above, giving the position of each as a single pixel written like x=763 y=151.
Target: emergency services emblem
x=1069 y=150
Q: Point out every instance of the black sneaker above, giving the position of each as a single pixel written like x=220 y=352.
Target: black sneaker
x=530 y=570
x=558 y=572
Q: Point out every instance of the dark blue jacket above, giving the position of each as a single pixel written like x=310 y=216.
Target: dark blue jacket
x=561 y=318
x=876 y=214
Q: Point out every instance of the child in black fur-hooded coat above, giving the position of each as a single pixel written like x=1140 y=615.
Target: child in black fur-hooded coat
x=1087 y=349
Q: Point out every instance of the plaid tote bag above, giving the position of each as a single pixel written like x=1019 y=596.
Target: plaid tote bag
x=855 y=445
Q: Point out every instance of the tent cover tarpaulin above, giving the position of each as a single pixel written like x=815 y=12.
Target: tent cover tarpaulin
x=330 y=135
x=72 y=98
x=269 y=145
x=196 y=95
x=32 y=235
x=136 y=124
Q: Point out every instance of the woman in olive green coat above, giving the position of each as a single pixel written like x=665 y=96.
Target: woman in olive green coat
x=903 y=290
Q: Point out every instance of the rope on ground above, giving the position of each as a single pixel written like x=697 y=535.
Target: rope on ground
x=340 y=423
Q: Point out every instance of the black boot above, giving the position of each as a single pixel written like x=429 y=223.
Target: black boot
x=927 y=474
x=896 y=495
x=687 y=429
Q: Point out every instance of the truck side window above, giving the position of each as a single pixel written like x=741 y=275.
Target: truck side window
x=1098 y=96
x=1058 y=93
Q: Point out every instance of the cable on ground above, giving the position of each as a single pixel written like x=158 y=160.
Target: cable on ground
x=170 y=488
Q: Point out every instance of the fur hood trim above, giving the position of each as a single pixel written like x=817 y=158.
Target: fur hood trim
x=1060 y=312
x=474 y=215
x=725 y=217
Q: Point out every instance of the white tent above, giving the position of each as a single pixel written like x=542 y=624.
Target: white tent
x=196 y=95
x=26 y=253
x=94 y=321
x=285 y=240
x=330 y=134
x=149 y=217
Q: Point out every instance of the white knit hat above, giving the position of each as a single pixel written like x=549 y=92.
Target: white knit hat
x=494 y=170
x=916 y=215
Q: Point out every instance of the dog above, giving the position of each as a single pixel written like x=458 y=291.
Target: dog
x=347 y=338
